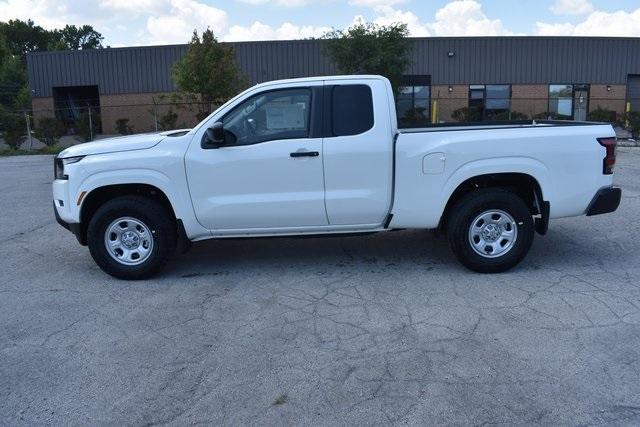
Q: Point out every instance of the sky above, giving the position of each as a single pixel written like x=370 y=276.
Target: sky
x=148 y=22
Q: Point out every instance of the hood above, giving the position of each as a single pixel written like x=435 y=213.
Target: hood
x=122 y=143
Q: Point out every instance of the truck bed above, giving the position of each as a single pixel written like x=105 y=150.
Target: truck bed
x=487 y=125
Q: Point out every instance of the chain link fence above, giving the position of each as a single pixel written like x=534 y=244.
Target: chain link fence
x=60 y=127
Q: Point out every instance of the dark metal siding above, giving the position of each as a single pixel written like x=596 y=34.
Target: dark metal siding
x=482 y=60
x=633 y=92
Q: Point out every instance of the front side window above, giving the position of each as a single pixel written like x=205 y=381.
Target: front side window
x=268 y=116
x=561 y=101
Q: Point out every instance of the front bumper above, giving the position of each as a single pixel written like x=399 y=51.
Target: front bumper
x=75 y=228
x=606 y=200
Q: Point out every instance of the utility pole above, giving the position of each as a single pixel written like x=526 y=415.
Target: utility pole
x=155 y=114
x=26 y=119
x=90 y=125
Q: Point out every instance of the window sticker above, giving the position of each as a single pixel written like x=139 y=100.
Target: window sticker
x=289 y=116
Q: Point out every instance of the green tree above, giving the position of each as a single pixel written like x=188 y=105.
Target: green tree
x=23 y=37
x=208 y=71
x=13 y=76
x=367 y=48
x=75 y=38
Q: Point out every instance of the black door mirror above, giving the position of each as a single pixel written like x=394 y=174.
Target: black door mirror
x=214 y=136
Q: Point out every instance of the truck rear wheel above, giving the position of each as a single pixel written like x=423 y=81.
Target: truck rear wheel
x=490 y=230
x=131 y=237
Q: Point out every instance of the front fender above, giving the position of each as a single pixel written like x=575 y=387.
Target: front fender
x=179 y=200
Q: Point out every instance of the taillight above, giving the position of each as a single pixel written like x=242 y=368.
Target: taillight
x=609 y=160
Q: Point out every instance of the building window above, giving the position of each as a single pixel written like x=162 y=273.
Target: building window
x=413 y=101
x=489 y=102
x=568 y=102
x=561 y=101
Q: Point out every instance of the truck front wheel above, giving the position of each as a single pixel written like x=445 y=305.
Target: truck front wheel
x=131 y=237
x=490 y=230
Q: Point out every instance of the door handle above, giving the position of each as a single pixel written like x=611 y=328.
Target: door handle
x=304 y=154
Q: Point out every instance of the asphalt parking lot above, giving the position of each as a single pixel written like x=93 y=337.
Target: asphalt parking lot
x=369 y=330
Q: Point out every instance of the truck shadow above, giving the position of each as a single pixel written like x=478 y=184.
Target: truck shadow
x=317 y=253
x=562 y=249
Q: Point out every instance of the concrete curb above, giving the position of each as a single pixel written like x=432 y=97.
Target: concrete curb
x=628 y=143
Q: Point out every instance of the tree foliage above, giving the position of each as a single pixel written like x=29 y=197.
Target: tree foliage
x=75 y=38
x=367 y=48
x=209 y=71
x=17 y=38
x=24 y=36
x=13 y=76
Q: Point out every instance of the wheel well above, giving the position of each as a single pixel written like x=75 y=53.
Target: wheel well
x=525 y=186
x=100 y=195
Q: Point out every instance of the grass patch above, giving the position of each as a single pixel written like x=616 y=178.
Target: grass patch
x=54 y=149
x=281 y=400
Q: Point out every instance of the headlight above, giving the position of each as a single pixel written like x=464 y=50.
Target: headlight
x=59 y=164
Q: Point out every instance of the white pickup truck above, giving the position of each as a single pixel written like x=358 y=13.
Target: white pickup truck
x=324 y=155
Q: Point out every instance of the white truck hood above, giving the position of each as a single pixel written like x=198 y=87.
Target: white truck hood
x=122 y=143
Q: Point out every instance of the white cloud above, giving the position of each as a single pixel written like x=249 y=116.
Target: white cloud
x=178 y=21
x=388 y=15
x=46 y=13
x=571 y=7
x=286 y=31
x=457 y=18
x=466 y=18
x=374 y=3
x=285 y=3
x=134 y=22
x=609 y=24
x=146 y=21
x=130 y=6
x=543 y=29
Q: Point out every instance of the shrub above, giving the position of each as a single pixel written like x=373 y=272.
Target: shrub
x=13 y=128
x=168 y=120
x=467 y=114
x=506 y=115
x=516 y=115
x=602 y=115
x=123 y=128
x=631 y=121
x=49 y=131
x=83 y=124
x=547 y=115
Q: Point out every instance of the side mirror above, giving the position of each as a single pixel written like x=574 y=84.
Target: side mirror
x=214 y=136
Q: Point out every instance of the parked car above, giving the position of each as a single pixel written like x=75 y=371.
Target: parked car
x=323 y=156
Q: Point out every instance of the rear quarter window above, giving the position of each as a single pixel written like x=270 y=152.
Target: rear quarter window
x=352 y=107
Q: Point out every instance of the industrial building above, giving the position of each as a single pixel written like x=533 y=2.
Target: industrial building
x=490 y=77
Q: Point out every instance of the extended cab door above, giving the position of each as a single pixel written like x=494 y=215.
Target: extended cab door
x=358 y=151
x=268 y=174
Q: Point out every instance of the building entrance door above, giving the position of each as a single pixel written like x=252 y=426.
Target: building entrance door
x=633 y=92
x=581 y=102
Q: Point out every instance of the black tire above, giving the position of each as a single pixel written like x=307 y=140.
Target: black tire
x=154 y=216
x=465 y=211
